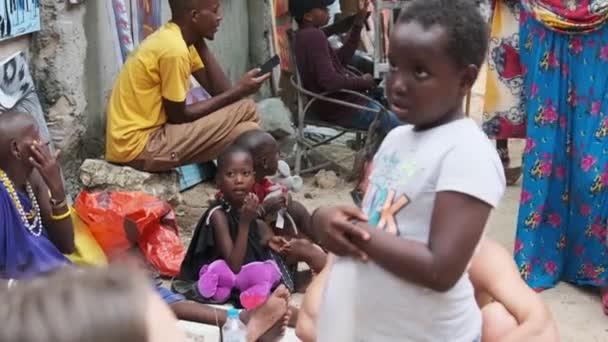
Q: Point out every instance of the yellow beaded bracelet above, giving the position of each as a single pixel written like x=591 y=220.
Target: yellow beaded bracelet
x=62 y=216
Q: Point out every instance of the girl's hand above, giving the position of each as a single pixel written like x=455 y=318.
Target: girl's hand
x=278 y=244
x=249 y=211
x=336 y=230
x=46 y=163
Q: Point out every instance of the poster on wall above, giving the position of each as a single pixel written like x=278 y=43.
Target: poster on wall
x=17 y=91
x=119 y=16
x=18 y=17
x=130 y=28
x=282 y=21
x=146 y=16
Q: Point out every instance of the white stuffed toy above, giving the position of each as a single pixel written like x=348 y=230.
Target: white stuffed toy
x=284 y=182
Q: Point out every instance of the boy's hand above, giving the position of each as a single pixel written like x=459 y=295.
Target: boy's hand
x=251 y=82
x=299 y=247
x=46 y=163
x=335 y=230
x=249 y=211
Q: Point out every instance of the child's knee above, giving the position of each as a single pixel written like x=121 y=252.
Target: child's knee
x=298 y=211
x=301 y=217
x=305 y=328
x=497 y=322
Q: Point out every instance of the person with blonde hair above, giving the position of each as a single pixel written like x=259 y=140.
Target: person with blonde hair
x=93 y=305
x=105 y=304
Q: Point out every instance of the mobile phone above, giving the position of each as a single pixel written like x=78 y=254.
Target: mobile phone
x=269 y=65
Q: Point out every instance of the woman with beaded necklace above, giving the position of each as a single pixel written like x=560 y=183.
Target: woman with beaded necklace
x=35 y=224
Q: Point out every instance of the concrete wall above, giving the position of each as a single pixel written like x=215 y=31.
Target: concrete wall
x=58 y=55
x=260 y=45
x=102 y=66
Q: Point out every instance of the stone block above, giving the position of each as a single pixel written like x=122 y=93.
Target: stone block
x=98 y=174
x=326 y=179
x=276 y=118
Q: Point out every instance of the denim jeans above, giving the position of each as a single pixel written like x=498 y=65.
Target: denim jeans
x=363 y=119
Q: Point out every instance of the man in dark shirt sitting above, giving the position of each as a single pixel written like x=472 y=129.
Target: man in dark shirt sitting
x=324 y=70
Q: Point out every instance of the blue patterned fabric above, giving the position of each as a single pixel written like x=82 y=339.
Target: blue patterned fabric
x=561 y=230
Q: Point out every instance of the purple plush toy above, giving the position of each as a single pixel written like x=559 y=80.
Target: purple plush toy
x=254 y=282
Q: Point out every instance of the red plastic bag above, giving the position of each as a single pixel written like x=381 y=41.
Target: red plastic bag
x=121 y=220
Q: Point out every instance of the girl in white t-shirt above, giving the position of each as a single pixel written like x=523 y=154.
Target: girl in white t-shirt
x=432 y=187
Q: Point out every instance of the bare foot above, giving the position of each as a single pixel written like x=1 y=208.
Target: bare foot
x=262 y=320
x=604 y=297
x=512 y=175
x=293 y=319
x=277 y=332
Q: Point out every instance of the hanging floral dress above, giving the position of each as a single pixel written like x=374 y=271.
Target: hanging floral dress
x=504 y=113
x=563 y=216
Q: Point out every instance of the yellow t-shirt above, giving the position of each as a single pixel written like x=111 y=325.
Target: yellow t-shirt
x=159 y=68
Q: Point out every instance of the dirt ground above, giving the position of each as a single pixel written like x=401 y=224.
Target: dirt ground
x=577 y=311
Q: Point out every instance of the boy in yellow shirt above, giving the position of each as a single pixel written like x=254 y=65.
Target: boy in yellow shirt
x=149 y=125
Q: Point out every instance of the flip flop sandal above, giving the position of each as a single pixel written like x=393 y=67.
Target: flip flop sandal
x=512 y=174
x=605 y=302
x=357 y=197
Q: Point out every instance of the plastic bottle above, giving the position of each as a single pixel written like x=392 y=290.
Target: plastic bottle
x=234 y=330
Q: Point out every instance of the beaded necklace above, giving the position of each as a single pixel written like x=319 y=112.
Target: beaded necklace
x=35 y=227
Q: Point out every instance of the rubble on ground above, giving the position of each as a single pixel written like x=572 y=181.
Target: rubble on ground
x=326 y=179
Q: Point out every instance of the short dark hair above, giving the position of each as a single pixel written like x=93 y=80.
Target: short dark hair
x=299 y=8
x=229 y=152
x=256 y=142
x=467 y=30
x=178 y=7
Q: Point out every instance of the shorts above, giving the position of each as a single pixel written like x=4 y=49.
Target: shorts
x=169 y=296
x=362 y=119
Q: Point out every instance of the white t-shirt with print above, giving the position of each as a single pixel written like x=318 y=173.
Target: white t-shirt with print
x=362 y=301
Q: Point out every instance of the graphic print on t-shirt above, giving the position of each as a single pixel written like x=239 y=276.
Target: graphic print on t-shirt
x=385 y=197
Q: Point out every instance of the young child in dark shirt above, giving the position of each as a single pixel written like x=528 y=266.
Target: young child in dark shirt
x=232 y=251
x=265 y=152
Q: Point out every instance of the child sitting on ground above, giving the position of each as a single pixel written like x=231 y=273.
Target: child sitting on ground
x=230 y=251
x=432 y=187
x=265 y=152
